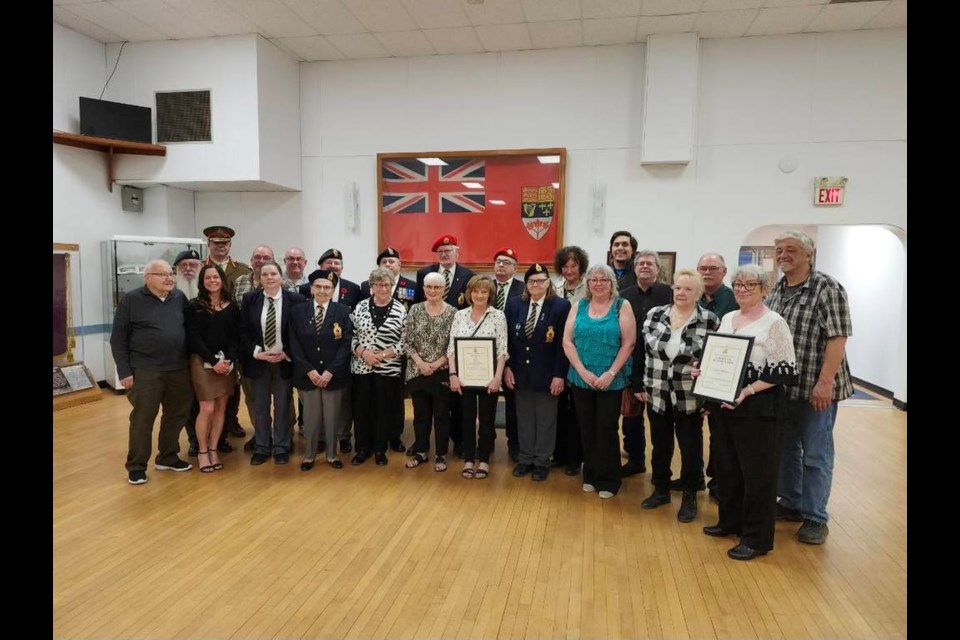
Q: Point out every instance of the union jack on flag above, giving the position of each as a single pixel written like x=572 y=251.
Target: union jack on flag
x=409 y=186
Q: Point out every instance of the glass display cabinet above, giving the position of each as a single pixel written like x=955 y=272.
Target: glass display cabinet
x=124 y=259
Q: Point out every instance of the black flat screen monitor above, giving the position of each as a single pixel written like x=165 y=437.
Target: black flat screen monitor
x=106 y=119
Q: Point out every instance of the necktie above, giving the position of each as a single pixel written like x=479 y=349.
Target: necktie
x=501 y=295
x=446 y=283
x=270 y=334
x=318 y=321
x=531 y=320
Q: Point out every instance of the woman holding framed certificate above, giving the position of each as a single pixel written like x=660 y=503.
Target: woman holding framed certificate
x=673 y=337
x=477 y=354
x=747 y=431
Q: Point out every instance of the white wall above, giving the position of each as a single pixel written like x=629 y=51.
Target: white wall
x=871 y=263
x=278 y=112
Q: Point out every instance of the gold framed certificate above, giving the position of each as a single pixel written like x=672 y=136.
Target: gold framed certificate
x=476 y=360
x=723 y=367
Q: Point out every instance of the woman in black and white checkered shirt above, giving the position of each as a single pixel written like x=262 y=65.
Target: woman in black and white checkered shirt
x=673 y=337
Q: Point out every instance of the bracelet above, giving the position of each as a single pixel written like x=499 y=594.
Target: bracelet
x=453 y=373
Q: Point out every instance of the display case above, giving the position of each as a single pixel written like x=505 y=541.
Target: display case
x=124 y=259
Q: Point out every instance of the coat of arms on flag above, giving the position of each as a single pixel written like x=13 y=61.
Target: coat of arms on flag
x=536 y=209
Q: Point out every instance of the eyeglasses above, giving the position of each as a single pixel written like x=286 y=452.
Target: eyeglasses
x=294 y=259
x=503 y=261
x=646 y=263
x=746 y=286
x=323 y=287
x=162 y=274
x=708 y=269
x=381 y=285
x=537 y=281
x=598 y=280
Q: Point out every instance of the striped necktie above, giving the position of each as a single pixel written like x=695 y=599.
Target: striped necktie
x=531 y=320
x=446 y=283
x=318 y=321
x=501 y=295
x=270 y=334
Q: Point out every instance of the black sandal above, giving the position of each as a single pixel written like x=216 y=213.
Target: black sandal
x=207 y=468
x=440 y=464
x=417 y=460
x=217 y=466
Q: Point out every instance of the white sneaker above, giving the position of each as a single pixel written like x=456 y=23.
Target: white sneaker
x=606 y=495
x=588 y=488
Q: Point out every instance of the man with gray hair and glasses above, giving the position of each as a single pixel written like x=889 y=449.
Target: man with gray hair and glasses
x=816 y=309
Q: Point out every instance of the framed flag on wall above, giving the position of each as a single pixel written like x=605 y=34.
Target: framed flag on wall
x=487 y=199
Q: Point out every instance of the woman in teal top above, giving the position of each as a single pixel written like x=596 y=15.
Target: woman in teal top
x=598 y=340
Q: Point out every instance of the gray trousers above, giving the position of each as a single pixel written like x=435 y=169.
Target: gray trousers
x=536 y=426
x=322 y=412
x=345 y=421
x=151 y=389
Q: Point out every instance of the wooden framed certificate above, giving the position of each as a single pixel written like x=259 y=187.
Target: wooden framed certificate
x=476 y=360
x=723 y=367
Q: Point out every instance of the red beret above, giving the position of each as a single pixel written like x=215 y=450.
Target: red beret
x=444 y=240
x=506 y=251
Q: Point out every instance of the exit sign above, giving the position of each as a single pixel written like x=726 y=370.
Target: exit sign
x=828 y=192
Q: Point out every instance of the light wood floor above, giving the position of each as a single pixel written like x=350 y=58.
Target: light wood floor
x=388 y=552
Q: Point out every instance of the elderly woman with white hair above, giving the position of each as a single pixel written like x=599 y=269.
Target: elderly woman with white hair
x=748 y=431
x=673 y=336
x=598 y=340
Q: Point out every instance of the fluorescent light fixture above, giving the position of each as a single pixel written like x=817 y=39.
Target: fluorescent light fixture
x=549 y=159
x=496 y=202
x=556 y=185
x=433 y=162
x=472 y=185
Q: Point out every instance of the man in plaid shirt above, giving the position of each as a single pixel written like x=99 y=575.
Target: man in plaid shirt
x=816 y=309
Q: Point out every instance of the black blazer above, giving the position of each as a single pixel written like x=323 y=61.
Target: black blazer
x=642 y=302
x=535 y=361
x=349 y=293
x=251 y=333
x=458 y=288
x=516 y=289
x=405 y=292
x=329 y=351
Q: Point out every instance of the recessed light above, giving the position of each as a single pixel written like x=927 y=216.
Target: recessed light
x=472 y=185
x=549 y=159
x=433 y=162
x=496 y=202
x=556 y=185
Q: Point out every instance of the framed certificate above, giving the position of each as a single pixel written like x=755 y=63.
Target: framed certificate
x=723 y=366
x=476 y=360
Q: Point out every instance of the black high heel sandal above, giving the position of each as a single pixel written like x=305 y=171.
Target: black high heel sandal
x=207 y=468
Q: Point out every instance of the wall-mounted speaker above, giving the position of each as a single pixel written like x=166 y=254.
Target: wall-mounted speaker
x=183 y=116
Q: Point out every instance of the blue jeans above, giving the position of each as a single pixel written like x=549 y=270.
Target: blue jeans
x=806 y=467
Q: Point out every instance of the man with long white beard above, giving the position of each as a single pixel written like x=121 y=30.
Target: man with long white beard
x=187 y=266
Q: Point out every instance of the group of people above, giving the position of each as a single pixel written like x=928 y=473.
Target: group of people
x=573 y=355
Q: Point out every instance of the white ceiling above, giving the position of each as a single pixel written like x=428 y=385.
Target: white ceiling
x=346 y=29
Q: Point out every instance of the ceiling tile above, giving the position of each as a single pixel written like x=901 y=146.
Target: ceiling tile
x=164 y=18
x=406 y=43
x=647 y=25
x=845 y=17
x=610 y=8
x=727 y=5
x=793 y=3
x=273 y=17
x=554 y=35
x=494 y=12
x=724 y=24
x=326 y=16
x=311 y=48
x=458 y=40
x=550 y=10
x=770 y=22
x=895 y=15
x=119 y=22
x=669 y=7
x=73 y=21
x=504 y=37
x=358 y=45
x=436 y=14
x=287 y=50
x=609 y=31
x=381 y=15
x=69 y=2
x=215 y=16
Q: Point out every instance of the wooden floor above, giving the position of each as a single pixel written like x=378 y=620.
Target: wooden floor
x=389 y=552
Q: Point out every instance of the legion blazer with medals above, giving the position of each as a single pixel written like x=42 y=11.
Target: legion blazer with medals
x=536 y=360
x=327 y=351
